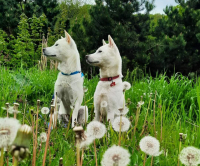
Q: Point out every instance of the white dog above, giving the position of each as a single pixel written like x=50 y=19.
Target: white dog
x=69 y=83
x=110 y=87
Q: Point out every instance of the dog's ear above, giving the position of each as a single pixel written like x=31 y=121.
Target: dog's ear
x=68 y=37
x=111 y=42
x=104 y=43
x=62 y=37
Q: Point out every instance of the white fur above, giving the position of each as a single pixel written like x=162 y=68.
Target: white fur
x=108 y=59
x=68 y=88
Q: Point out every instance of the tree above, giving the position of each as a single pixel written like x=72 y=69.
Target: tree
x=177 y=39
x=124 y=22
x=11 y=10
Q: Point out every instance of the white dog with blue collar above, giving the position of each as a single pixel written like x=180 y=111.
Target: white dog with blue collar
x=69 y=83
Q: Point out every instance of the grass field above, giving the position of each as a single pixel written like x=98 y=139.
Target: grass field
x=174 y=101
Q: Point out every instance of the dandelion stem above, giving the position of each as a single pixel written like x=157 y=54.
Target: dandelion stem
x=144 y=159
x=95 y=153
x=179 y=151
x=82 y=155
x=78 y=152
x=151 y=160
x=161 y=124
x=47 y=142
x=146 y=117
x=120 y=128
x=1 y=162
x=15 y=162
x=35 y=145
x=154 y=117
x=24 y=111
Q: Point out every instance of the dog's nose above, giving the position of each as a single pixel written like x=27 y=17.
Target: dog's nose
x=86 y=57
x=43 y=50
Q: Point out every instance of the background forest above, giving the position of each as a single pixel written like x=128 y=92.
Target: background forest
x=147 y=43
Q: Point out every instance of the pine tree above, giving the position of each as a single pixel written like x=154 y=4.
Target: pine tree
x=178 y=37
x=120 y=19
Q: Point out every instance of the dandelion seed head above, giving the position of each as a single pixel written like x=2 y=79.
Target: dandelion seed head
x=104 y=104
x=45 y=110
x=87 y=141
x=122 y=111
x=140 y=103
x=85 y=89
x=125 y=124
x=150 y=146
x=8 y=131
x=126 y=85
x=96 y=129
x=43 y=137
x=116 y=155
x=190 y=156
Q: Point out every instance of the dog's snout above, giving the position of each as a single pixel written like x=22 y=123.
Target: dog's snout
x=86 y=57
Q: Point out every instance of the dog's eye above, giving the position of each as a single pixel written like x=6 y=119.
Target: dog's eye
x=99 y=51
x=56 y=45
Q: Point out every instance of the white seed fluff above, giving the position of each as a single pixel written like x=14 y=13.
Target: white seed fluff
x=8 y=131
x=150 y=146
x=140 y=103
x=87 y=141
x=43 y=137
x=45 y=110
x=125 y=124
x=126 y=85
x=104 y=104
x=116 y=155
x=122 y=111
x=190 y=156
x=96 y=129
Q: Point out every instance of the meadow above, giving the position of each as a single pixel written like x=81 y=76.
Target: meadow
x=171 y=106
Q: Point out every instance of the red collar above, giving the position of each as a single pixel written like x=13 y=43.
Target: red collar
x=109 y=78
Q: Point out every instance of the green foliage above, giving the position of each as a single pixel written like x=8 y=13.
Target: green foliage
x=177 y=38
x=25 y=50
x=121 y=20
x=177 y=97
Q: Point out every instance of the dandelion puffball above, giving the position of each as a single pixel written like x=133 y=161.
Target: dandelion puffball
x=150 y=146
x=96 y=129
x=126 y=85
x=104 y=104
x=190 y=156
x=116 y=155
x=121 y=111
x=8 y=131
x=43 y=137
x=87 y=141
x=125 y=124
x=45 y=110
x=140 y=103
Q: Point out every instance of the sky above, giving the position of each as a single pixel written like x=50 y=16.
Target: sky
x=161 y=4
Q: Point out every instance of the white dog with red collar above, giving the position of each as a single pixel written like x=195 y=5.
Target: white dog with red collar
x=110 y=87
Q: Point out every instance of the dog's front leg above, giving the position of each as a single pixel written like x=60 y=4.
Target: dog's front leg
x=75 y=114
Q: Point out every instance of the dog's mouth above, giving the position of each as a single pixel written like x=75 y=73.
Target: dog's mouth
x=50 y=55
x=92 y=62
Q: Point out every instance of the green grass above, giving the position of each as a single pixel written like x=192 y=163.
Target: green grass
x=177 y=97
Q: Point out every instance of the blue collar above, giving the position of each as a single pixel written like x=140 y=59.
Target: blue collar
x=73 y=73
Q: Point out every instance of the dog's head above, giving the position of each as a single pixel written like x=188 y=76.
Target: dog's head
x=62 y=49
x=106 y=56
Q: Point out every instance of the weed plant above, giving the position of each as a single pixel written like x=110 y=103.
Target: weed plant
x=176 y=105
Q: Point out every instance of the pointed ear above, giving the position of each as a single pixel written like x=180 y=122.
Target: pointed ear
x=111 y=42
x=68 y=37
x=104 y=43
x=62 y=37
